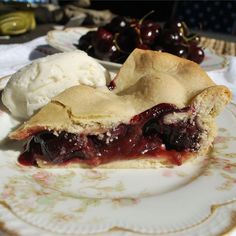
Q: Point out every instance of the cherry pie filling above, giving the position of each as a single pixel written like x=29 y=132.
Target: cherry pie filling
x=147 y=135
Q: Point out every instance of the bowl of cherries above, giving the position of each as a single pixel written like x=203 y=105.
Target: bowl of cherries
x=114 y=41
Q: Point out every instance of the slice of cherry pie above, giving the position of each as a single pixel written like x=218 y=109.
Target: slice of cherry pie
x=160 y=111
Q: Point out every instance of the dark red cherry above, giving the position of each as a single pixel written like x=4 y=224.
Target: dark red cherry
x=104 y=35
x=148 y=23
x=143 y=46
x=170 y=37
x=90 y=51
x=110 y=53
x=103 y=51
x=128 y=39
x=102 y=42
x=196 y=54
x=115 y=55
x=85 y=41
x=117 y=24
x=178 y=26
x=150 y=34
x=180 y=50
x=143 y=22
x=159 y=48
x=118 y=56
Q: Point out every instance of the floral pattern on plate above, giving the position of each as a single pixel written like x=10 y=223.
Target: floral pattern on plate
x=75 y=201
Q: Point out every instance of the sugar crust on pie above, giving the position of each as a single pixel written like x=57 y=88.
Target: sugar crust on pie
x=164 y=104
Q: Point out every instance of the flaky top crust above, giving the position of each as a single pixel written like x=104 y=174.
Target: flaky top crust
x=146 y=79
x=178 y=76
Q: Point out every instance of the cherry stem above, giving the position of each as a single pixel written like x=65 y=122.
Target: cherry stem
x=145 y=16
x=189 y=38
x=116 y=44
x=184 y=24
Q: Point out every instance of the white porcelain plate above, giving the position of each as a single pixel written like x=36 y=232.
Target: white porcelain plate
x=197 y=198
x=65 y=40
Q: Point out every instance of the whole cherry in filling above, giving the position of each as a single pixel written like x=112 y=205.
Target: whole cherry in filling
x=147 y=134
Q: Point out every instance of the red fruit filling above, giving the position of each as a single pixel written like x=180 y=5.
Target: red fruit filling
x=147 y=135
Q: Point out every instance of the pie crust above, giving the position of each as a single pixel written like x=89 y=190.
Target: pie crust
x=146 y=79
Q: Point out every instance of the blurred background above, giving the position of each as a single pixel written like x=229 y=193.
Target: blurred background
x=215 y=16
x=212 y=16
x=216 y=19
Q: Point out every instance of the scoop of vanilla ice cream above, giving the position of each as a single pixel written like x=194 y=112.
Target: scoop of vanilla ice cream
x=33 y=86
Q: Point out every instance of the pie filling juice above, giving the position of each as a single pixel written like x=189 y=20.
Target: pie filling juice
x=147 y=135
